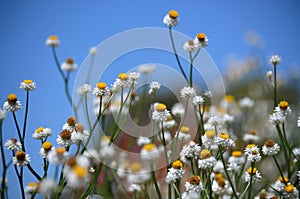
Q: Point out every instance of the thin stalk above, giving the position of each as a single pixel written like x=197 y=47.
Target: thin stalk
x=20 y=179
x=120 y=184
x=176 y=55
x=26 y=114
x=277 y=165
x=57 y=63
x=275 y=87
x=3 y=183
x=176 y=191
x=251 y=178
x=155 y=180
x=19 y=131
x=164 y=143
x=191 y=69
x=93 y=182
x=87 y=112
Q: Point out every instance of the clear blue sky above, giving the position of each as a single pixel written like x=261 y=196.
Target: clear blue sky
x=81 y=24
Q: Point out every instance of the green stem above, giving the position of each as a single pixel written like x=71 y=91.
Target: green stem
x=26 y=114
x=164 y=143
x=275 y=86
x=20 y=179
x=3 y=183
x=175 y=186
x=93 y=182
x=191 y=69
x=19 y=131
x=251 y=178
x=277 y=165
x=155 y=180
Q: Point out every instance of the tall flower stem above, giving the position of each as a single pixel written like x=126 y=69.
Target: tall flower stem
x=191 y=69
x=20 y=179
x=93 y=182
x=155 y=180
x=26 y=114
x=275 y=86
x=251 y=179
x=3 y=183
x=277 y=165
x=176 y=55
x=18 y=131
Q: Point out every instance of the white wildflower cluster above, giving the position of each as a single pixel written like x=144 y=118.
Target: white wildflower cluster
x=190 y=152
x=175 y=173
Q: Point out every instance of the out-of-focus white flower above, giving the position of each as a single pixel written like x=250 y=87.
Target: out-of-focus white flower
x=2 y=114
x=160 y=113
x=252 y=171
x=46 y=147
x=93 y=50
x=189 y=152
x=12 y=103
x=134 y=76
x=198 y=100
x=52 y=41
x=170 y=123
x=42 y=133
x=187 y=92
x=206 y=160
x=147 y=68
x=290 y=192
x=79 y=134
x=183 y=134
x=178 y=110
x=154 y=86
x=209 y=138
x=13 y=144
x=270 y=148
x=143 y=140
x=137 y=175
x=171 y=19
x=221 y=186
x=47 y=187
x=69 y=65
x=175 y=173
x=189 y=46
x=84 y=89
x=298 y=122
x=251 y=137
x=28 y=85
x=275 y=60
x=31 y=187
x=246 y=102
x=201 y=40
x=77 y=177
x=21 y=159
x=269 y=74
x=149 y=152
x=57 y=156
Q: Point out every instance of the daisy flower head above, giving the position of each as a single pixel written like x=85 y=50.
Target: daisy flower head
x=290 y=192
x=137 y=175
x=198 y=100
x=246 y=103
x=57 y=156
x=147 y=68
x=280 y=183
x=215 y=121
x=194 y=185
x=220 y=185
x=277 y=118
x=12 y=103
x=235 y=160
x=79 y=134
x=171 y=19
x=183 y=134
x=69 y=65
x=101 y=90
x=252 y=171
x=154 y=86
x=77 y=177
x=47 y=187
x=187 y=92
x=46 y=147
x=42 y=133
x=175 y=173
x=223 y=140
x=134 y=76
x=84 y=89
x=251 y=137
x=150 y=152
x=70 y=124
x=170 y=123
x=206 y=160
x=269 y=74
x=123 y=81
x=209 y=138
x=32 y=187
x=27 y=85
x=201 y=40
x=107 y=150
x=178 y=110
x=21 y=159
x=13 y=144
x=284 y=108
x=252 y=152
x=2 y=114
x=275 y=60
x=52 y=41
x=189 y=152
x=93 y=50
x=189 y=46
x=160 y=113
x=143 y=140
x=270 y=148
x=64 y=138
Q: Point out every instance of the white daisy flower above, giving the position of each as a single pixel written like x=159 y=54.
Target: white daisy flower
x=13 y=144
x=69 y=65
x=225 y=141
x=101 y=90
x=42 y=133
x=178 y=110
x=246 y=103
x=170 y=123
x=52 y=41
x=122 y=81
x=12 y=103
x=64 y=138
x=93 y=50
x=137 y=175
x=31 y=188
x=194 y=185
x=70 y=124
x=134 y=76
x=284 y=108
x=46 y=147
x=275 y=60
x=84 y=89
x=77 y=177
x=290 y=192
x=201 y=40
x=190 y=46
x=175 y=173
x=269 y=74
x=252 y=152
x=57 y=156
x=256 y=176
x=28 y=85
x=171 y=19
x=154 y=86
x=270 y=148
x=79 y=134
x=209 y=138
x=183 y=134
x=187 y=92
x=236 y=157
x=215 y=121
x=277 y=118
x=150 y=152
x=143 y=140
x=21 y=159
x=206 y=160
x=190 y=151
x=221 y=186
x=251 y=137
x=160 y=113
x=198 y=100
x=280 y=183
x=47 y=188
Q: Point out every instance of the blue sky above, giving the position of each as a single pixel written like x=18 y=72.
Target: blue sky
x=25 y=25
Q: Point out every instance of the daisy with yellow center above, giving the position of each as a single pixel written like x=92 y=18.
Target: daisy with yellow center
x=283 y=108
x=290 y=191
x=46 y=147
x=52 y=41
x=137 y=175
x=252 y=172
x=69 y=65
x=41 y=133
x=13 y=144
x=64 y=138
x=101 y=90
x=28 y=85
x=270 y=148
x=21 y=159
x=31 y=188
x=135 y=167
x=12 y=103
x=171 y=19
x=209 y=138
x=223 y=140
x=194 y=185
x=201 y=40
x=149 y=152
x=57 y=156
x=160 y=113
x=161 y=107
x=183 y=134
x=206 y=160
x=175 y=173
x=189 y=152
x=77 y=177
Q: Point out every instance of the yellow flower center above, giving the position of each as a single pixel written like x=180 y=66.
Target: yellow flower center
x=70 y=61
x=71 y=121
x=60 y=151
x=251 y=171
x=123 y=76
x=39 y=130
x=101 y=85
x=105 y=138
x=79 y=171
x=195 y=180
x=236 y=154
x=269 y=143
x=27 y=81
x=20 y=155
x=204 y=154
x=229 y=98
x=47 y=146
x=170 y=118
x=221 y=181
x=173 y=14
x=135 y=167
x=224 y=136
x=53 y=37
x=210 y=133
x=177 y=164
x=65 y=135
x=250 y=146
x=12 y=98
x=201 y=36
x=32 y=184
x=218 y=176
x=289 y=188
x=149 y=147
x=283 y=180
x=160 y=107
x=283 y=105
x=185 y=129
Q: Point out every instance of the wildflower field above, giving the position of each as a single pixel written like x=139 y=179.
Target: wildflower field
x=158 y=132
